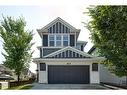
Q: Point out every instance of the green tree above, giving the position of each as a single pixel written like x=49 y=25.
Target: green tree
x=108 y=28
x=16 y=43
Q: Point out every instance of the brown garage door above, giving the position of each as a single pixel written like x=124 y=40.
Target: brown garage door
x=71 y=74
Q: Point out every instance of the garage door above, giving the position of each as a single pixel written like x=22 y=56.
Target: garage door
x=58 y=74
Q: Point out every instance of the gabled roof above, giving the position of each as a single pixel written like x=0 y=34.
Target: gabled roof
x=92 y=49
x=58 y=19
x=83 y=54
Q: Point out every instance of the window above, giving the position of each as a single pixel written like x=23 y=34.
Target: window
x=95 y=67
x=45 y=40
x=58 y=40
x=72 y=40
x=51 y=40
x=65 y=40
x=42 y=67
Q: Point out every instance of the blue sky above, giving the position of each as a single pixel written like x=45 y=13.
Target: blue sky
x=38 y=16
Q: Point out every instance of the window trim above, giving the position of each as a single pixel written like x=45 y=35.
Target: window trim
x=42 y=68
x=58 y=40
x=51 y=40
x=95 y=67
x=62 y=40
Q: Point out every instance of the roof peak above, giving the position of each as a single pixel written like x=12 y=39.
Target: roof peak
x=55 y=20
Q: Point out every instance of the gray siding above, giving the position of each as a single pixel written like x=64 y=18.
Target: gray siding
x=47 y=51
x=58 y=28
x=68 y=54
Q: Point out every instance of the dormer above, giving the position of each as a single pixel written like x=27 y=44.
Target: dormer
x=58 y=33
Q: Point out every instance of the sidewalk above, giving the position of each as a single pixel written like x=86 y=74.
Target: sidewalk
x=38 y=86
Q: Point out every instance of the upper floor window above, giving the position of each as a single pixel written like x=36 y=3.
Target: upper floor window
x=51 y=40
x=58 y=40
x=65 y=40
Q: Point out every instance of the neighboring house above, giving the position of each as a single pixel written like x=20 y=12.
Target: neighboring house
x=105 y=75
x=62 y=59
x=7 y=74
x=27 y=74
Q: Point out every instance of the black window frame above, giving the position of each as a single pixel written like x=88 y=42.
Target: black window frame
x=94 y=66
x=82 y=48
x=45 y=40
x=72 y=40
x=40 y=52
x=42 y=67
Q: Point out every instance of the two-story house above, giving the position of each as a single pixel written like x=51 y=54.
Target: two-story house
x=62 y=58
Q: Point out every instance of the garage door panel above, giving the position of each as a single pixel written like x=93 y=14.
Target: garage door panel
x=58 y=74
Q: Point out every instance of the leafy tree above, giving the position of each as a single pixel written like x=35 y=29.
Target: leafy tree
x=16 y=43
x=108 y=28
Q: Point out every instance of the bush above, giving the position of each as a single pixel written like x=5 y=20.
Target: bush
x=16 y=83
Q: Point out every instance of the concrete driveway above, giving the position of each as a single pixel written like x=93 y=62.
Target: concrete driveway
x=38 y=86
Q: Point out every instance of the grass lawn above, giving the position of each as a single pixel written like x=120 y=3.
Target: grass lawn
x=22 y=87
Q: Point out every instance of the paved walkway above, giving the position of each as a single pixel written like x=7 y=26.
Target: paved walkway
x=38 y=86
x=113 y=87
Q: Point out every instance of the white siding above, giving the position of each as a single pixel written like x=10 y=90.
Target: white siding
x=94 y=76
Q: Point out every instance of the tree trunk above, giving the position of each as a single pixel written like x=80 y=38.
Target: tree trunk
x=126 y=80
x=18 y=77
